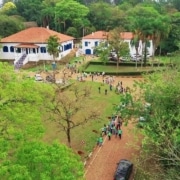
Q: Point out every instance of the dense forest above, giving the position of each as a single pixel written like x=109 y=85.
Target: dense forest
x=159 y=19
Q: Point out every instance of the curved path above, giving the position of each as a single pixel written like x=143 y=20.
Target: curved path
x=103 y=162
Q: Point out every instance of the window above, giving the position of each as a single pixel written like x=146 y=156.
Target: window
x=5 y=49
x=86 y=43
x=43 y=49
x=18 y=50
x=34 y=50
x=11 y=49
x=96 y=43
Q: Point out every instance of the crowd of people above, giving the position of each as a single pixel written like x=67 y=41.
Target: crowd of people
x=112 y=128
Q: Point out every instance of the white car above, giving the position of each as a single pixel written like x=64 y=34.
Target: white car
x=38 y=77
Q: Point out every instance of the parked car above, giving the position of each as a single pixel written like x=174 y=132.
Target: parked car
x=123 y=170
x=38 y=77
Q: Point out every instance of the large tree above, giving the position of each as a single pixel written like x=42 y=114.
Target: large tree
x=105 y=16
x=117 y=44
x=149 y=23
x=70 y=11
x=37 y=160
x=9 y=25
x=53 y=46
x=9 y=8
x=157 y=102
x=103 y=51
x=30 y=9
x=70 y=109
x=20 y=119
x=23 y=155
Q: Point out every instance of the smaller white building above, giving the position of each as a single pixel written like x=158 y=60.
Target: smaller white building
x=31 y=45
x=92 y=40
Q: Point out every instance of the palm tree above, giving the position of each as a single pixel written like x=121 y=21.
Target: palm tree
x=117 y=44
x=135 y=42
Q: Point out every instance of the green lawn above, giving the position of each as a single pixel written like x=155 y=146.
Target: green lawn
x=103 y=103
x=105 y=68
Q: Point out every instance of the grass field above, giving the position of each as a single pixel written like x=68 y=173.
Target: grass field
x=105 y=68
x=103 y=103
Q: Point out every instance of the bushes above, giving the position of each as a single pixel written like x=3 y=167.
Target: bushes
x=125 y=68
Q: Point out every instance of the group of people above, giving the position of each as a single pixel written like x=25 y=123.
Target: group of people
x=112 y=128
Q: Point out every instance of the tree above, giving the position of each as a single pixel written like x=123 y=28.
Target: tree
x=117 y=44
x=158 y=102
x=70 y=11
x=103 y=15
x=72 y=31
x=70 y=109
x=103 y=51
x=53 y=46
x=23 y=155
x=9 y=25
x=19 y=122
x=37 y=160
x=171 y=43
x=142 y=19
x=9 y=8
x=135 y=41
x=48 y=15
x=30 y=9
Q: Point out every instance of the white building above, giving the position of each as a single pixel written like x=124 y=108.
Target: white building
x=92 y=40
x=31 y=45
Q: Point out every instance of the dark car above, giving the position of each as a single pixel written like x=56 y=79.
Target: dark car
x=124 y=170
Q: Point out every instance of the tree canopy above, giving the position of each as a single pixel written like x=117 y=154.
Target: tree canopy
x=23 y=154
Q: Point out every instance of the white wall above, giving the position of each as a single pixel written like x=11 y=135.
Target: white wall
x=132 y=50
x=90 y=45
x=31 y=56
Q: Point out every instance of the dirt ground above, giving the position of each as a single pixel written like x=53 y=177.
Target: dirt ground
x=103 y=162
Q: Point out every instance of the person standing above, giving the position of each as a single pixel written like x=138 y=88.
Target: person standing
x=120 y=133
x=109 y=135
x=100 y=141
x=99 y=88
x=110 y=87
x=105 y=91
x=105 y=129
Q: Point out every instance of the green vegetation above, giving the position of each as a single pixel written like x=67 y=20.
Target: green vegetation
x=112 y=69
x=84 y=133
x=159 y=105
x=26 y=127
x=79 y=18
x=23 y=154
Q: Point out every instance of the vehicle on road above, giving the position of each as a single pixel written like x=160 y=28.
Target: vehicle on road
x=123 y=170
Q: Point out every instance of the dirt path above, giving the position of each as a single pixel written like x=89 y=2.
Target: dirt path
x=103 y=162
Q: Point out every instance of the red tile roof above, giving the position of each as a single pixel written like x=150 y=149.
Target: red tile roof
x=126 y=35
x=96 y=35
x=35 y=35
x=103 y=35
